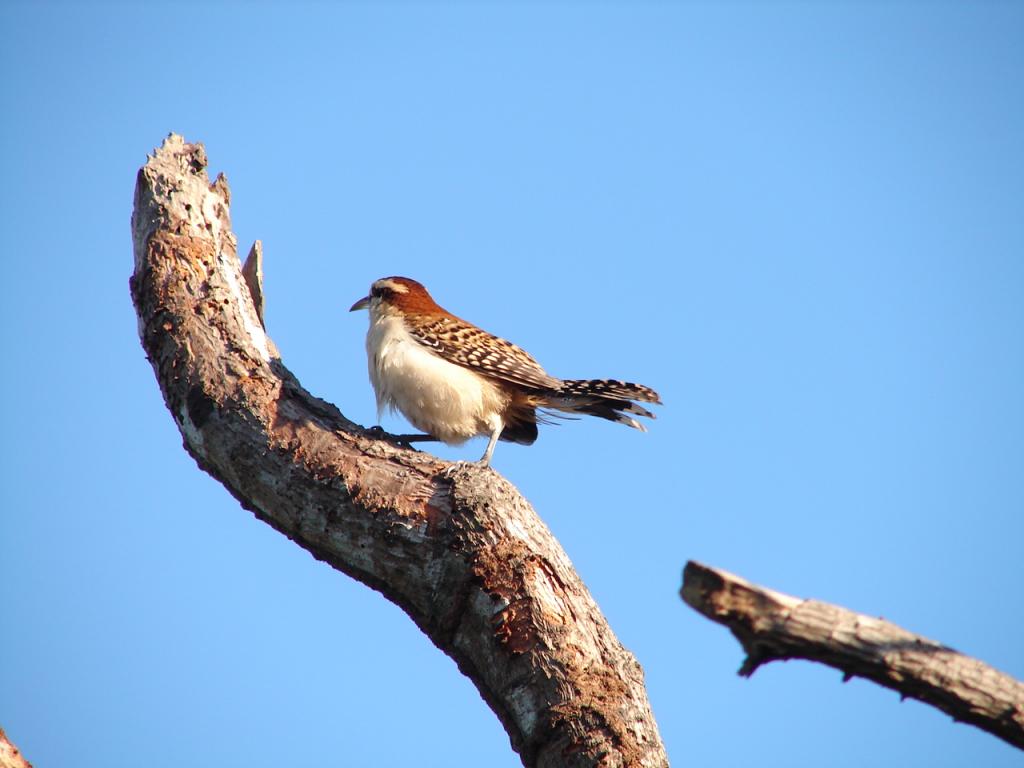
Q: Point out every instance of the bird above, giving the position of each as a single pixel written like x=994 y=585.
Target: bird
x=455 y=381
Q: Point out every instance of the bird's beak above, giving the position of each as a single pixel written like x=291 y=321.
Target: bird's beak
x=363 y=303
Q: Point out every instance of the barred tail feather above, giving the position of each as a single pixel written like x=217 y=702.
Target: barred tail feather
x=605 y=398
x=609 y=388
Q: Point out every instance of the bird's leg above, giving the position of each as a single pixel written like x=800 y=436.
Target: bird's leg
x=485 y=460
x=380 y=432
x=416 y=438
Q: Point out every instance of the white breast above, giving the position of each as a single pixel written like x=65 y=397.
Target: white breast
x=445 y=400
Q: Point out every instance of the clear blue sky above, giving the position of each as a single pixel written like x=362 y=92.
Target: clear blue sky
x=803 y=224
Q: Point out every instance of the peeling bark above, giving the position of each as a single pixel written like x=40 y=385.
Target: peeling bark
x=462 y=553
x=773 y=626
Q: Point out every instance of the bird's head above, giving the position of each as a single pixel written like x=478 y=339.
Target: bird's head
x=396 y=294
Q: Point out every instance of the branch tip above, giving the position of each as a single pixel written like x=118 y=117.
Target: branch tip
x=772 y=626
x=252 y=271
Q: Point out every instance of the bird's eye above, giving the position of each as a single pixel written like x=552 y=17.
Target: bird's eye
x=380 y=292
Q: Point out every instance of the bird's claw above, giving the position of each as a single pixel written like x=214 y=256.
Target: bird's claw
x=449 y=471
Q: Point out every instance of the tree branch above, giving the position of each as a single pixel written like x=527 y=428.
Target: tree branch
x=463 y=554
x=10 y=755
x=772 y=626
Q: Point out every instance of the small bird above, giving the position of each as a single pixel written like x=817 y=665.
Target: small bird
x=455 y=381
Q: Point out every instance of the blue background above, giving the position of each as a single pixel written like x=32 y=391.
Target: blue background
x=803 y=224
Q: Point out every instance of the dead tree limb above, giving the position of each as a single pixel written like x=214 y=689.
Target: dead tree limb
x=772 y=626
x=10 y=755
x=463 y=554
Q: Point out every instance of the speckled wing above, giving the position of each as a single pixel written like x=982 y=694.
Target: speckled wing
x=464 y=344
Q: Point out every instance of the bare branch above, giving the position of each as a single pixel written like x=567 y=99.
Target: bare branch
x=10 y=755
x=772 y=626
x=462 y=553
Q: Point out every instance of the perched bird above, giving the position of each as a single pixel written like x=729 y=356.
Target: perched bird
x=455 y=381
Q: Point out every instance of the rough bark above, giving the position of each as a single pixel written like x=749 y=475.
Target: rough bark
x=461 y=552
x=773 y=626
x=10 y=755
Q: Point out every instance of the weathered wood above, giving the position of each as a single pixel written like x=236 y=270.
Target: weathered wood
x=773 y=626
x=10 y=755
x=252 y=271
x=461 y=552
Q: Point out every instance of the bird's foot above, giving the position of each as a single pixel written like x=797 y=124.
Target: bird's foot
x=450 y=471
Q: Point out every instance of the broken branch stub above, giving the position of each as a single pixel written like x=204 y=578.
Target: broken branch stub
x=774 y=626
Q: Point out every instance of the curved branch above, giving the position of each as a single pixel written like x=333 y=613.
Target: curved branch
x=462 y=553
x=772 y=626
